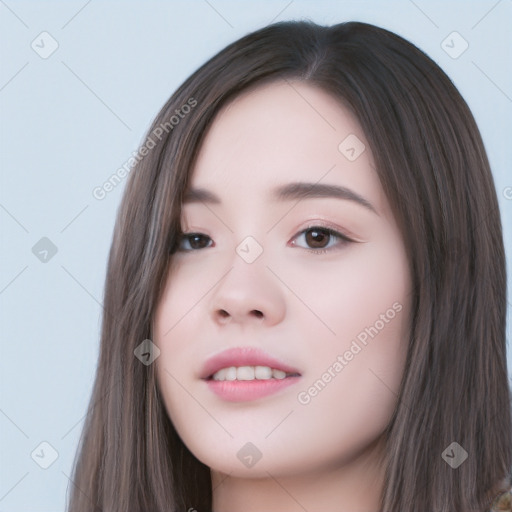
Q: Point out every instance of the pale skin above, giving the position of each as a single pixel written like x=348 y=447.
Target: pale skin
x=303 y=307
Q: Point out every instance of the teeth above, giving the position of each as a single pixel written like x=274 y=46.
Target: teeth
x=248 y=373
x=230 y=373
x=245 y=373
x=262 y=372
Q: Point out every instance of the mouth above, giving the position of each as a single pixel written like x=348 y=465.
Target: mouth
x=250 y=373
x=247 y=373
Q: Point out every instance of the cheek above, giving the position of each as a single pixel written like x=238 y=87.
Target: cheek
x=180 y=304
x=375 y=298
x=353 y=380
x=180 y=332
x=174 y=308
x=336 y=300
x=366 y=302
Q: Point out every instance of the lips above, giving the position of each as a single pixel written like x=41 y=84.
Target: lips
x=243 y=356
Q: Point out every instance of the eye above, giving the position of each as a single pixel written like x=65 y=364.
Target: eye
x=318 y=236
x=195 y=241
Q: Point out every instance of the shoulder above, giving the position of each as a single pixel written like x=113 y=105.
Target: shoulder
x=502 y=502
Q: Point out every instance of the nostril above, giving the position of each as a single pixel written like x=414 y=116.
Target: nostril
x=259 y=314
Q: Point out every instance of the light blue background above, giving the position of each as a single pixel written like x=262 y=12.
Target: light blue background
x=71 y=120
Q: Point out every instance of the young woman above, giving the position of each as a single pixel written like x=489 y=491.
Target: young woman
x=306 y=292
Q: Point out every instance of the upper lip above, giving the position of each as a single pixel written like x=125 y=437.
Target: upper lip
x=243 y=356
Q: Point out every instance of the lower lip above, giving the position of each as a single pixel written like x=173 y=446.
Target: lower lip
x=245 y=390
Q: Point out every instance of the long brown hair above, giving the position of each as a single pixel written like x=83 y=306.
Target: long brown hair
x=435 y=173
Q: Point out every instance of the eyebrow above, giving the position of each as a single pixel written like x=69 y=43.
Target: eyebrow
x=288 y=192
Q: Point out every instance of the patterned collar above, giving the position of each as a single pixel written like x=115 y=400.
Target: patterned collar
x=503 y=502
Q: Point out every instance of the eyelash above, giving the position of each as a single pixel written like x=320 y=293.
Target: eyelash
x=329 y=231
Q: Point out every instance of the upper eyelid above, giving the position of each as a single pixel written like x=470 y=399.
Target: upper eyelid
x=333 y=229
x=316 y=224
x=319 y=223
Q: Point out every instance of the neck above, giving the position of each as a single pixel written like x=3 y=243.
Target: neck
x=353 y=487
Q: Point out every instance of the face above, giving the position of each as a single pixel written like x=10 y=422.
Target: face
x=279 y=281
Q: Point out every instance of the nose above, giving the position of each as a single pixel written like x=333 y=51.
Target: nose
x=248 y=293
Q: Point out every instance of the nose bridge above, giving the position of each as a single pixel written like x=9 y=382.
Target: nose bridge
x=250 y=249
x=248 y=289
x=248 y=232
x=248 y=272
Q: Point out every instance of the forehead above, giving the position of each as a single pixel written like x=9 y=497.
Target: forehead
x=293 y=110
x=278 y=133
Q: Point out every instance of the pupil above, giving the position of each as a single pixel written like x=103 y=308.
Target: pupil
x=316 y=233
x=193 y=239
